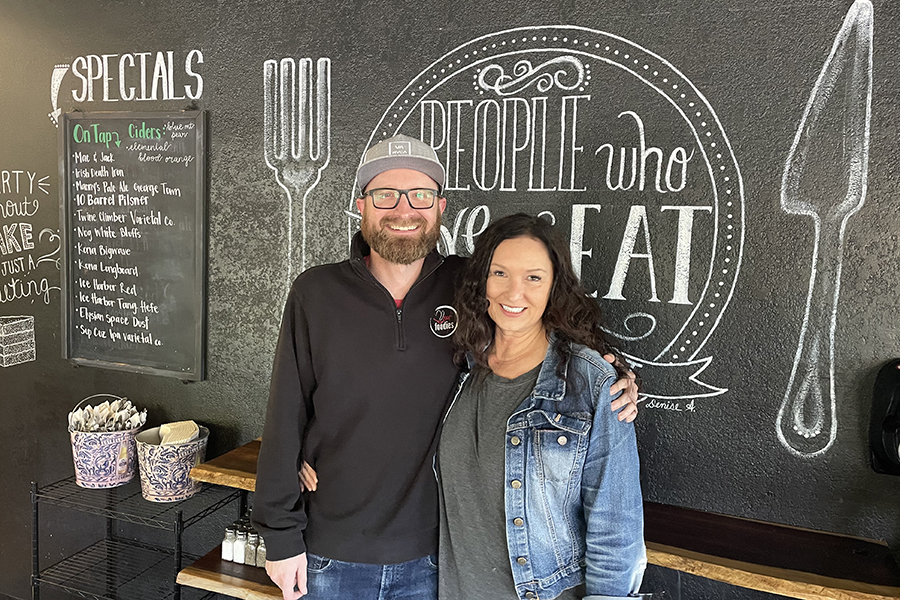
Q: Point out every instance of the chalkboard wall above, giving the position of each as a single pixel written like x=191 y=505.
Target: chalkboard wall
x=657 y=135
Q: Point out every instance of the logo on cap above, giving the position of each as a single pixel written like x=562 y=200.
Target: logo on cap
x=444 y=321
x=396 y=148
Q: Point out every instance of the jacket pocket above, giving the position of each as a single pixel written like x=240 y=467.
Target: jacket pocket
x=559 y=444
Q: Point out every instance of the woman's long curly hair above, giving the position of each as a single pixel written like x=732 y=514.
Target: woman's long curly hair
x=571 y=314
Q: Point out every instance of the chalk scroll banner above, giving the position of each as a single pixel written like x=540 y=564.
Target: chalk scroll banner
x=133 y=210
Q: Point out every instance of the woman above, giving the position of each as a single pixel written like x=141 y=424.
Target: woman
x=530 y=414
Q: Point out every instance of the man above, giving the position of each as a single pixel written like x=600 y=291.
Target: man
x=361 y=377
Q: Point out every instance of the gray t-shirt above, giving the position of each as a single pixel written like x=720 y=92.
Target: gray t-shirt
x=474 y=557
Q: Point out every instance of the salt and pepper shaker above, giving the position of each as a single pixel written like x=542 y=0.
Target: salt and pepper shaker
x=228 y=544
x=250 y=548
x=240 y=545
x=261 y=553
x=243 y=544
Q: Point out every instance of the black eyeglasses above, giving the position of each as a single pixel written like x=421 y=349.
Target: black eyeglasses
x=388 y=198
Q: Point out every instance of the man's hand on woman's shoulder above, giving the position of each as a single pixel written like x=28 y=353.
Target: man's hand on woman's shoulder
x=626 y=404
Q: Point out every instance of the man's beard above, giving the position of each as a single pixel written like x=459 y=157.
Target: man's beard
x=401 y=250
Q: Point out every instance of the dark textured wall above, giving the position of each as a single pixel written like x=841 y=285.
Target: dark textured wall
x=747 y=68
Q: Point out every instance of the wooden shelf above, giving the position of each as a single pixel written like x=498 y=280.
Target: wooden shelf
x=235 y=469
x=213 y=574
x=773 y=558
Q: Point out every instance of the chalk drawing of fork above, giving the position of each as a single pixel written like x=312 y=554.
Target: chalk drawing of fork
x=297 y=139
x=825 y=178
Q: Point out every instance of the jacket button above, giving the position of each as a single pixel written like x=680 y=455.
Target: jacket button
x=516 y=484
x=530 y=595
x=518 y=521
x=562 y=440
x=522 y=560
x=515 y=440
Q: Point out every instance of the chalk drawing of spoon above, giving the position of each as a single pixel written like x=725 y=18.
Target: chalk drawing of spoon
x=825 y=178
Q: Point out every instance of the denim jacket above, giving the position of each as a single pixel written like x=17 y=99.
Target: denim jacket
x=574 y=510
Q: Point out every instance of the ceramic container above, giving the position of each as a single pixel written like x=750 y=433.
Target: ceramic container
x=165 y=470
x=104 y=459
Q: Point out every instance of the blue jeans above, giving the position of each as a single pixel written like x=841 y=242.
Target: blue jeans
x=330 y=579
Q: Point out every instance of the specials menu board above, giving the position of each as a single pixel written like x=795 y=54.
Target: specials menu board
x=133 y=214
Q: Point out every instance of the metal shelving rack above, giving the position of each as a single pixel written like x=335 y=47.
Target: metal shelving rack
x=117 y=569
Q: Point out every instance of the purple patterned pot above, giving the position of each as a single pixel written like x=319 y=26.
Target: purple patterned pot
x=165 y=469
x=103 y=459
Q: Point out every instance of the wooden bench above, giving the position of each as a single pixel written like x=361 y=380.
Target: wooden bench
x=792 y=562
x=779 y=559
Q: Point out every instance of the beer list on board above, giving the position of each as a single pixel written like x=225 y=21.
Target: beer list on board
x=134 y=214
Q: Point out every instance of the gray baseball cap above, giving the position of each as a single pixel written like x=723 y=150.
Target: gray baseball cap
x=399 y=152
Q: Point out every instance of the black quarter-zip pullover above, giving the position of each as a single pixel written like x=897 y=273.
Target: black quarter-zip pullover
x=358 y=390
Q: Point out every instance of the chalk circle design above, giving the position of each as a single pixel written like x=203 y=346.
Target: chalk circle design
x=574 y=46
